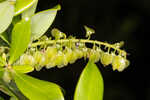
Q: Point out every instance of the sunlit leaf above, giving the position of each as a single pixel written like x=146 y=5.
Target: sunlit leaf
x=30 y=11
x=41 y=21
x=6 y=12
x=35 y=89
x=90 y=84
x=20 y=39
x=23 y=68
x=22 y=5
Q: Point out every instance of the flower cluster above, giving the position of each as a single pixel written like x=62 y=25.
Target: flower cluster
x=63 y=51
x=52 y=56
x=60 y=56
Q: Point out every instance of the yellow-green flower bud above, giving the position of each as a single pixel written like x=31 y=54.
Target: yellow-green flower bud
x=60 y=60
x=70 y=55
x=26 y=59
x=79 y=53
x=74 y=57
x=39 y=60
x=119 y=63
x=106 y=58
x=94 y=55
x=50 y=53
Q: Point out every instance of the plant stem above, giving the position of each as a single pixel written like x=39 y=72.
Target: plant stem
x=78 y=40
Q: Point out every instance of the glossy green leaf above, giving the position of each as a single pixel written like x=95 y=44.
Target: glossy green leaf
x=23 y=68
x=30 y=11
x=20 y=39
x=6 y=12
x=41 y=21
x=22 y=5
x=35 y=89
x=90 y=85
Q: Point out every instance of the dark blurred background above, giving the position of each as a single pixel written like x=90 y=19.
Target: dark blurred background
x=113 y=21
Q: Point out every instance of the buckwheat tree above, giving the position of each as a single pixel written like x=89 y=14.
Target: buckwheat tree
x=24 y=48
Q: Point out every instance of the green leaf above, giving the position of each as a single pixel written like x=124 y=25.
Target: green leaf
x=20 y=39
x=35 y=89
x=90 y=85
x=30 y=11
x=22 y=5
x=6 y=15
x=4 y=37
x=23 y=68
x=41 y=21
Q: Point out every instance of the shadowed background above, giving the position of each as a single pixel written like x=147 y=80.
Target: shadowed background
x=113 y=21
